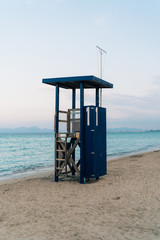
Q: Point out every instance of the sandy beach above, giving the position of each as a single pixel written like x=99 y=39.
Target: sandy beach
x=125 y=204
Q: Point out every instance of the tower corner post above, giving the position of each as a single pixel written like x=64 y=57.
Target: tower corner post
x=73 y=107
x=56 y=123
x=97 y=97
x=82 y=164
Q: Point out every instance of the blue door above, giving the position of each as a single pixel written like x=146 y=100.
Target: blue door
x=95 y=141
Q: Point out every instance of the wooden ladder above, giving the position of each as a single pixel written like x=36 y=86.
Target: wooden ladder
x=60 y=155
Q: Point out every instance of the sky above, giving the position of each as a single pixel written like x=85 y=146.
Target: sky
x=54 y=38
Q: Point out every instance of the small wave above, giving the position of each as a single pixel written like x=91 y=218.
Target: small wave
x=4 y=173
x=127 y=153
x=24 y=173
x=31 y=168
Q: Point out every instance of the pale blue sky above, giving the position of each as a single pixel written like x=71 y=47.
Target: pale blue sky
x=53 y=38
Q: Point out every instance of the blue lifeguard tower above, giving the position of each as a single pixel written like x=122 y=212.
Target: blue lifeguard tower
x=85 y=128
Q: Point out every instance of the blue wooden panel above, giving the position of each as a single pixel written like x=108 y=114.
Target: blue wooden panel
x=101 y=141
x=57 y=117
x=73 y=98
x=75 y=81
x=82 y=164
x=97 y=97
x=95 y=141
x=73 y=106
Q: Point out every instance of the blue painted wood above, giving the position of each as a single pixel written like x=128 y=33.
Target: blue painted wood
x=91 y=165
x=82 y=164
x=97 y=97
x=95 y=141
x=57 y=117
x=74 y=82
x=73 y=106
x=73 y=98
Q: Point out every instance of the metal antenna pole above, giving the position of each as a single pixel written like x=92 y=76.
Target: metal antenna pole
x=101 y=52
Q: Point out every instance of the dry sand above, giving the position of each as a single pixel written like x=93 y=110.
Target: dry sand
x=125 y=204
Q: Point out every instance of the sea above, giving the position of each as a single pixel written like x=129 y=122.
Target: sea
x=26 y=154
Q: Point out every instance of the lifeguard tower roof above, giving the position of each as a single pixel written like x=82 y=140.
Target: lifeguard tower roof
x=74 y=82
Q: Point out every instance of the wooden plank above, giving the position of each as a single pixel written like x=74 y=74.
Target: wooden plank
x=65 y=121
x=75 y=119
x=66 y=172
x=61 y=111
x=74 y=109
x=60 y=159
x=69 y=165
x=58 y=168
x=73 y=148
x=74 y=165
x=78 y=163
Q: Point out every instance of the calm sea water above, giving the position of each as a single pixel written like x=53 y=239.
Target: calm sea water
x=23 y=154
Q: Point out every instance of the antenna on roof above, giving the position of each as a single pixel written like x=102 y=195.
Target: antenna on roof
x=101 y=52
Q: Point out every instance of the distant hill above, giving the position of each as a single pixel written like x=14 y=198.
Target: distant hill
x=125 y=129
x=26 y=130
x=46 y=130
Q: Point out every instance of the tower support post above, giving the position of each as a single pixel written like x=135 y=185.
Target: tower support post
x=81 y=134
x=56 y=122
x=97 y=97
x=73 y=107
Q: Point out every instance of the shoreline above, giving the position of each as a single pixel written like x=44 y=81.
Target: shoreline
x=44 y=170
x=124 y=204
x=27 y=174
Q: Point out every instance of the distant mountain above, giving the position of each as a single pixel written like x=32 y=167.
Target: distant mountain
x=125 y=129
x=46 y=130
x=26 y=130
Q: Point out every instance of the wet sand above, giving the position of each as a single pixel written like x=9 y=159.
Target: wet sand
x=125 y=204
